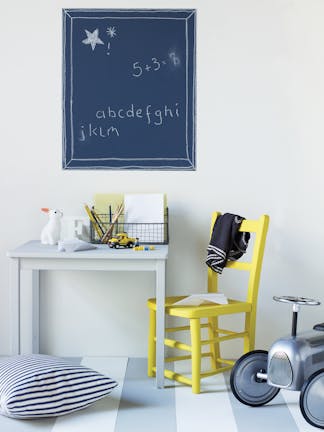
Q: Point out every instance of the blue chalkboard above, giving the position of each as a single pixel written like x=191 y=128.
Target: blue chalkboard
x=129 y=89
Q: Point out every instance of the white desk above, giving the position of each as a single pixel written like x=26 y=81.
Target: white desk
x=34 y=257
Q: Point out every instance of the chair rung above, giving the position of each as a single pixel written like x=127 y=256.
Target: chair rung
x=226 y=361
x=214 y=372
x=202 y=325
x=180 y=345
x=176 y=344
x=224 y=338
x=177 y=358
x=185 y=380
x=184 y=357
x=175 y=329
x=224 y=331
x=176 y=376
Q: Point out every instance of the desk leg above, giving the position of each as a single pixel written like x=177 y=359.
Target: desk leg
x=15 y=305
x=160 y=323
x=29 y=312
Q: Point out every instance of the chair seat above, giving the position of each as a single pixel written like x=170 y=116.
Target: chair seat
x=201 y=311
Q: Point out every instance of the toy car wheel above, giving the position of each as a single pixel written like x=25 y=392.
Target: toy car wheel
x=116 y=245
x=130 y=245
x=311 y=399
x=246 y=386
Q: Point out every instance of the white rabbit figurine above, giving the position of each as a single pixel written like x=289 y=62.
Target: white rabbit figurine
x=52 y=230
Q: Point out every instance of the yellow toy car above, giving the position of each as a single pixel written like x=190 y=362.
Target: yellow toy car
x=123 y=240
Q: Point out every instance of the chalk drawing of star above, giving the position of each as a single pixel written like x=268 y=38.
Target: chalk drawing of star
x=92 y=39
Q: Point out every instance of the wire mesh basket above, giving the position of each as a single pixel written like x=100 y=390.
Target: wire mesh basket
x=148 y=233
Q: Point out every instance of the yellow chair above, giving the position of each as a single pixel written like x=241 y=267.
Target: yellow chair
x=211 y=312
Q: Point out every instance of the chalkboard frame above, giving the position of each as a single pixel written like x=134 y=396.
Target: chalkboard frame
x=187 y=146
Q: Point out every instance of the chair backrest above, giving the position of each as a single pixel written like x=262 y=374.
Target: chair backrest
x=259 y=227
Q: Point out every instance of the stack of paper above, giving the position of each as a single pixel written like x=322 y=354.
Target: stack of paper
x=198 y=299
x=144 y=214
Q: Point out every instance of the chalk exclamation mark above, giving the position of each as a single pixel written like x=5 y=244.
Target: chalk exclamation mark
x=108 y=48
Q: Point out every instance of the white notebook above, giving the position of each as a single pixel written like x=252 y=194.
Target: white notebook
x=146 y=212
x=198 y=299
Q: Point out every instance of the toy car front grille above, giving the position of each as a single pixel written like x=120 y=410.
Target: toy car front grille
x=280 y=370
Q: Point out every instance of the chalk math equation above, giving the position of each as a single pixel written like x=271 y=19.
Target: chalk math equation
x=154 y=65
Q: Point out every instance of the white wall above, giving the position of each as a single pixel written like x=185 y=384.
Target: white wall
x=260 y=108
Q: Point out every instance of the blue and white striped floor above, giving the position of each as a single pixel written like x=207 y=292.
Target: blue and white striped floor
x=137 y=406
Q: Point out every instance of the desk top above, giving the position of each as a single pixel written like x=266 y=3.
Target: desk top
x=34 y=249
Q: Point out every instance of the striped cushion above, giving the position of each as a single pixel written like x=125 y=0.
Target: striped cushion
x=43 y=386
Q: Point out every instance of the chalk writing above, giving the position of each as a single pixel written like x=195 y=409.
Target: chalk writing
x=111 y=32
x=138 y=70
x=154 y=65
x=108 y=48
x=151 y=116
x=174 y=58
x=91 y=130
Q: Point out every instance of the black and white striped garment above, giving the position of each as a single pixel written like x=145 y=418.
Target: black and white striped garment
x=37 y=385
x=227 y=242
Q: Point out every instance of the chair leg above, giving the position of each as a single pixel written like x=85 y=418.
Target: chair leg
x=249 y=340
x=214 y=346
x=151 y=355
x=195 y=354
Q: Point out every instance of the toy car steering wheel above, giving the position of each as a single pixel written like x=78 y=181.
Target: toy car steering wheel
x=296 y=303
x=303 y=301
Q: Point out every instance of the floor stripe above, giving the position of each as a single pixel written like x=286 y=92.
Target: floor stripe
x=292 y=400
x=143 y=407
x=137 y=406
x=100 y=417
x=13 y=425
x=274 y=416
x=211 y=407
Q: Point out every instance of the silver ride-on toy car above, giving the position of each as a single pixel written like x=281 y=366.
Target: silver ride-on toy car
x=294 y=362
